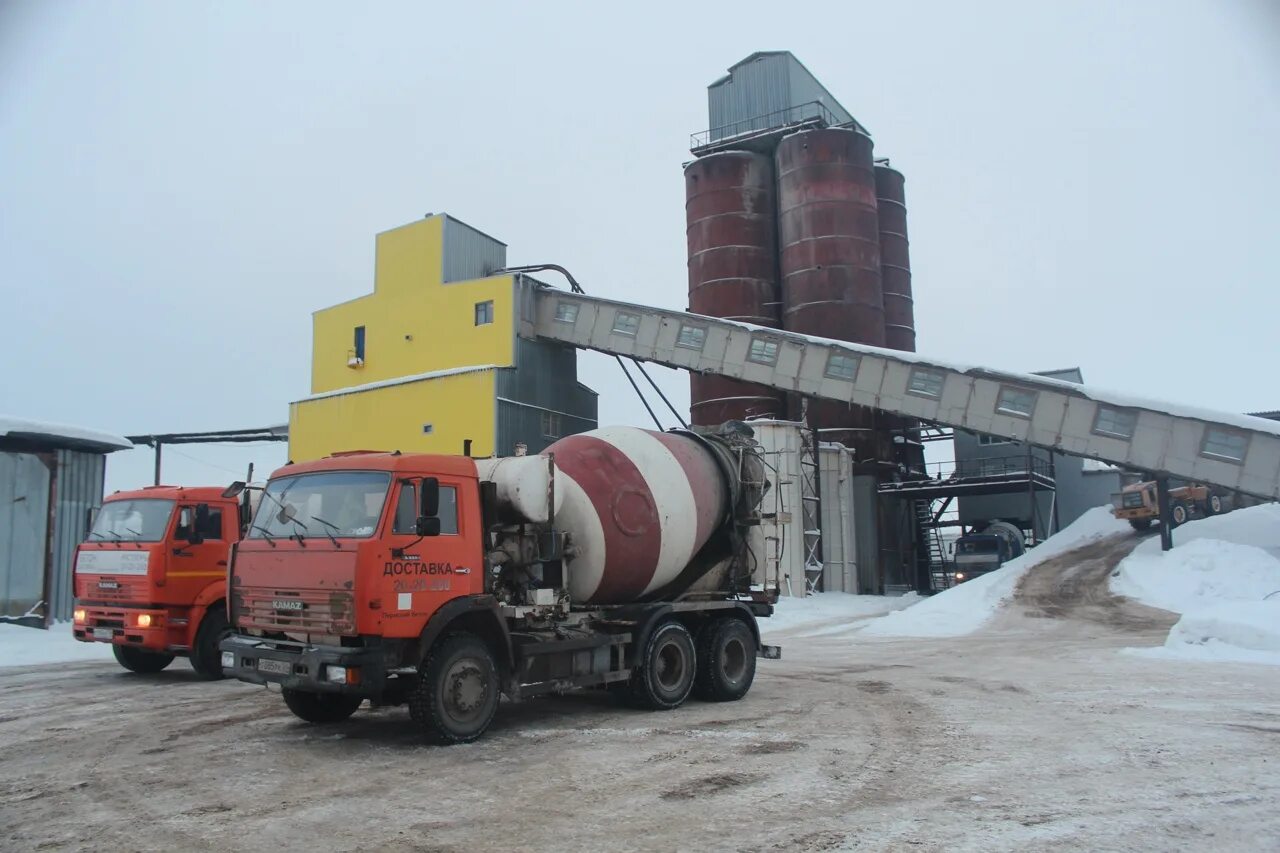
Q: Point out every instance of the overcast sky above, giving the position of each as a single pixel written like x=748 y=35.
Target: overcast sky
x=182 y=184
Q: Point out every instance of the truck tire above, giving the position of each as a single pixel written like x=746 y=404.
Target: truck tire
x=206 y=658
x=726 y=661
x=1212 y=505
x=665 y=670
x=457 y=691
x=1140 y=523
x=140 y=660
x=1179 y=514
x=320 y=707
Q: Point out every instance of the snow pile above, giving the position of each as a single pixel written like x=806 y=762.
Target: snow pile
x=965 y=608
x=1218 y=577
x=23 y=646
x=830 y=612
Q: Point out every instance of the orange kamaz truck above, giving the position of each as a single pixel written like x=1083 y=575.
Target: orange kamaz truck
x=619 y=558
x=151 y=577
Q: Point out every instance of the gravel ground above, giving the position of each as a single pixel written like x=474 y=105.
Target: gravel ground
x=1037 y=732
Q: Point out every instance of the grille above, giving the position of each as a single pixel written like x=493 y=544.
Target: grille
x=322 y=611
x=130 y=589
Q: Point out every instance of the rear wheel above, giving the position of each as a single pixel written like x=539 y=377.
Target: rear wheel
x=726 y=661
x=1213 y=505
x=1140 y=523
x=320 y=707
x=1178 y=513
x=206 y=658
x=141 y=660
x=665 y=671
x=457 y=691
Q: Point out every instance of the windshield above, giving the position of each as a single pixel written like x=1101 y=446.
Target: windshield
x=980 y=546
x=143 y=520
x=342 y=503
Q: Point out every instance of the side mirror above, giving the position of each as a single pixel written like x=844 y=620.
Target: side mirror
x=234 y=489
x=427 y=526
x=429 y=498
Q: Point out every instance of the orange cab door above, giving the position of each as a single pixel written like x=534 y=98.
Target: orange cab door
x=193 y=565
x=419 y=574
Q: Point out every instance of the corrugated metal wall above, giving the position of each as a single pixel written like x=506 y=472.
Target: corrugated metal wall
x=769 y=83
x=77 y=492
x=543 y=380
x=24 y=518
x=470 y=253
x=35 y=566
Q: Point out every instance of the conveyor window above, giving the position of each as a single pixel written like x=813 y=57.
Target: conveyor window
x=1116 y=423
x=841 y=366
x=763 y=351
x=484 y=313
x=566 y=312
x=1016 y=401
x=1221 y=443
x=625 y=323
x=692 y=337
x=925 y=383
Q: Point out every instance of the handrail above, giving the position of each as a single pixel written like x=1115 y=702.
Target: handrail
x=796 y=114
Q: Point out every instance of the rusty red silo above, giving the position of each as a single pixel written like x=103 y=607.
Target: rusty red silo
x=830 y=258
x=730 y=207
x=895 y=259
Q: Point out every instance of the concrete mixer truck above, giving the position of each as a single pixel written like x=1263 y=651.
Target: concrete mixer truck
x=617 y=558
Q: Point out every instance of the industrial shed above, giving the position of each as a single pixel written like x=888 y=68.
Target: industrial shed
x=51 y=483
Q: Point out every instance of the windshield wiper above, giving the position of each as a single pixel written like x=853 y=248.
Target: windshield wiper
x=265 y=535
x=329 y=532
x=298 y=533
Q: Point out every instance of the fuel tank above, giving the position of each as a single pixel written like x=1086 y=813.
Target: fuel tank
x=639 y=507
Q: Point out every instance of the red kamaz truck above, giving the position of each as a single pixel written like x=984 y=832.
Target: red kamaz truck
x=619 y=557
x=151 y=577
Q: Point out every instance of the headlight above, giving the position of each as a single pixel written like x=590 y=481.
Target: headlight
x=342 y=674
x=959 y=576
x=144 y=620
x=78 y=614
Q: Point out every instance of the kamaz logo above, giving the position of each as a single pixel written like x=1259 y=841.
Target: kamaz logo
x=287 y=604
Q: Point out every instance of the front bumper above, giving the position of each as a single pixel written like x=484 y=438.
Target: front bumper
x=301 y=666
x=119 y=625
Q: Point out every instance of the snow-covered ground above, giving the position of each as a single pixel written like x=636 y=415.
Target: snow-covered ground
x=22 y=646
x=830 y=613
x=965 y=608
x=1222 y=577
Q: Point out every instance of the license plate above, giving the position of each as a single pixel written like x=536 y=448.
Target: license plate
x=103 y=633
x=279 y=667
x=108 y=585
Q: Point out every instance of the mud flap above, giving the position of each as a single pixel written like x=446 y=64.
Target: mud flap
x=769 y=652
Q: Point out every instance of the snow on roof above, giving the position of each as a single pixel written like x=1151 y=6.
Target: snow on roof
x=61 y=435
x=398 y=380
x=1093 y=392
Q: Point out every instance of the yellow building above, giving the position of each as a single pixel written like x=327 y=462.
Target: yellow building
x=431 y=358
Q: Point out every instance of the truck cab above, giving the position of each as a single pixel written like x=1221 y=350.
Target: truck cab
x=150 y=578
x=406 y=579
x=977 y=554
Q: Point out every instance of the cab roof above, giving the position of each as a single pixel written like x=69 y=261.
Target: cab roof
x=396 y=463
x=171 y=493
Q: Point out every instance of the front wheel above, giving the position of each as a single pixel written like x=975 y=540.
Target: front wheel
x=141 y=660
x=726 y=661
x=457 y=691
x=1213 y=505
x=664 y=672
x=206 y=658
x=1178 y=514
x=138 y=660
x=320 y=707
x=1140 y=523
